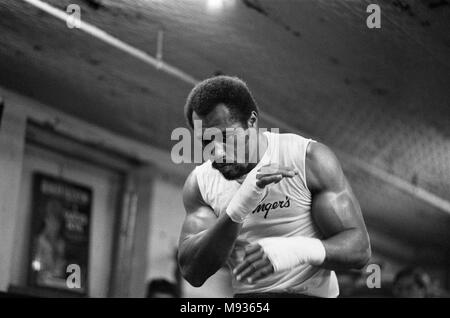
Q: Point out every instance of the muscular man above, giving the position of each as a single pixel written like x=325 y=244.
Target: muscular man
x=282 y=219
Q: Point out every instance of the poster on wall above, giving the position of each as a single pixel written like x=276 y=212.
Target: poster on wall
x=61 y=214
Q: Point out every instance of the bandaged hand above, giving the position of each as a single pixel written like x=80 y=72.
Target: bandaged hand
x=276 y=254
x=288 y=252
x=254 y=189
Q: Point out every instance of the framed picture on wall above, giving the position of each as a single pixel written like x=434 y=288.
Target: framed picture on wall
x=61 y=215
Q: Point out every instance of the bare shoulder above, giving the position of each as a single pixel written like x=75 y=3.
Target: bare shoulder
x=323 y=169
x=199 y=216
x=192 y=197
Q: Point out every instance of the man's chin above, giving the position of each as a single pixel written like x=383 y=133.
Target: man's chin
x=233 y=171
x=230 y=175
x=230 y=172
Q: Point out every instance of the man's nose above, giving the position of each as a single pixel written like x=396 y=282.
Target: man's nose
x=219 y=152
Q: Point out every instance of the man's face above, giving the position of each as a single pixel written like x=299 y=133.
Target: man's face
x=226 y=140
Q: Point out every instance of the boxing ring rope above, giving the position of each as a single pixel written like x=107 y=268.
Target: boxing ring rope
x=374 y=171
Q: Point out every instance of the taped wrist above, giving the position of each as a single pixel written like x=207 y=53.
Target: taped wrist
x=288 y=252
x=245 y=200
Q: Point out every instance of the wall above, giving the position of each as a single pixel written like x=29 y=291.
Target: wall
x=166 y=210
x=105 y=186
x=12 y=132
x=17 y=161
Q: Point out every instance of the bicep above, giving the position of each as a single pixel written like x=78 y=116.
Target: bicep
x=196 y=222
x=336 y=211
x=334 y=205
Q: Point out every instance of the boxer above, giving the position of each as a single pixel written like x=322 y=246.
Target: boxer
x=282 y=220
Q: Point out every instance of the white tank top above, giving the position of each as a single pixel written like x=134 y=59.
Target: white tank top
x=284 y=212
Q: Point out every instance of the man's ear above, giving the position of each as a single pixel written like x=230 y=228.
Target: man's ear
x=253 y=120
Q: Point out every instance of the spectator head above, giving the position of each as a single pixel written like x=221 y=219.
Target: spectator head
x=411 y=283
x=161 y=288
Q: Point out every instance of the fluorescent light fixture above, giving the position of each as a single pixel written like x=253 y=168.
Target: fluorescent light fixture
x=218 y=5
x=215 y=5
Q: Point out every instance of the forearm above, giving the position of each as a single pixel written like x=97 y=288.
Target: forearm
x=203 y=254
x=347 y=249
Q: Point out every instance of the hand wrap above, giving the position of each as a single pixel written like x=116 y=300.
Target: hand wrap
x=287 y=252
